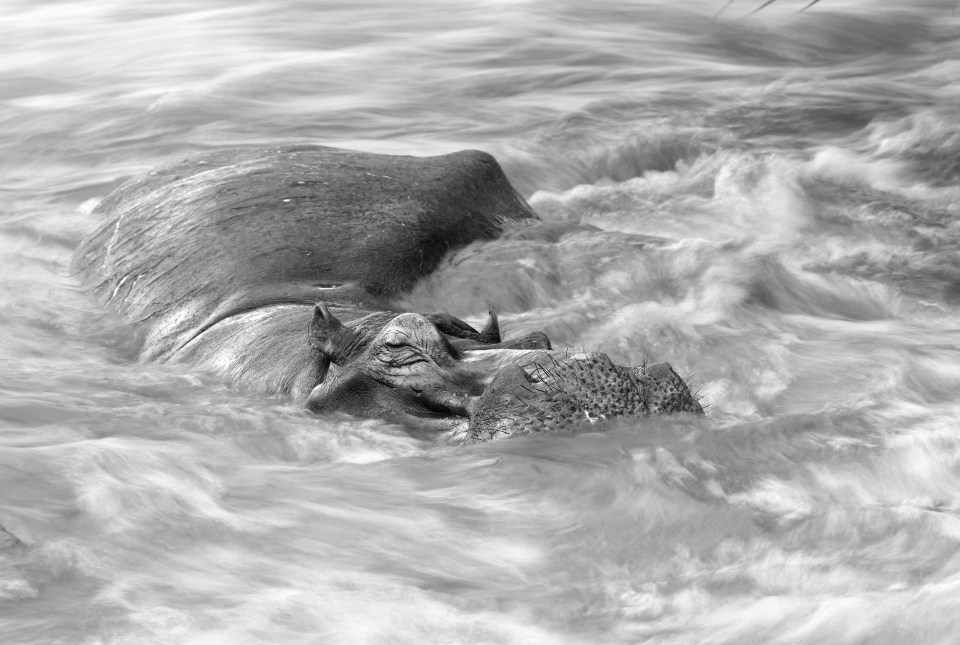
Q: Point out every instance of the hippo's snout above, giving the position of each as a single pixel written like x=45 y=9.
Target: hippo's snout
x=556 y=391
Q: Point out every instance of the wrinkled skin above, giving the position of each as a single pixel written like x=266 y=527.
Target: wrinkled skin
x=473 y=387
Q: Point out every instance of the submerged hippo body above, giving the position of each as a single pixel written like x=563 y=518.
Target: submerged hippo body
x=408 y=369
x=218 y=259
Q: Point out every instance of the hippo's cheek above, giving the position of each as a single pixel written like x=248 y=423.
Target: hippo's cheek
x=344 y=393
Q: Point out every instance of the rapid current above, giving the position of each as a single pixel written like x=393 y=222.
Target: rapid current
x=770 y=202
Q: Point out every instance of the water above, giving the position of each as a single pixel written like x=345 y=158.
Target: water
x=769 y=203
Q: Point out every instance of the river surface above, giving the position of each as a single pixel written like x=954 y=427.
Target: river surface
x=771 y=203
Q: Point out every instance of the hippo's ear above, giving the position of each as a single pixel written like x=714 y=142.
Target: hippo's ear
x=459 y=329
x=331 y=337
x=490 y=333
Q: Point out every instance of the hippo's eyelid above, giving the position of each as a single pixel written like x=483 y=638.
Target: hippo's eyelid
x=396 y=340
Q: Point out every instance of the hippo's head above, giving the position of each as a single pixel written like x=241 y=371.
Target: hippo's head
x=437 y=373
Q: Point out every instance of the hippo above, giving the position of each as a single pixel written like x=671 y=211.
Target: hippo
x=276 y=268
x=218 y=259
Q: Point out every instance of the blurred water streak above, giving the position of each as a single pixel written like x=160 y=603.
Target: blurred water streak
x=769 y=203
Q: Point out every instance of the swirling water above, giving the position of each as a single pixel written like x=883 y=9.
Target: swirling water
x=769 y=202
